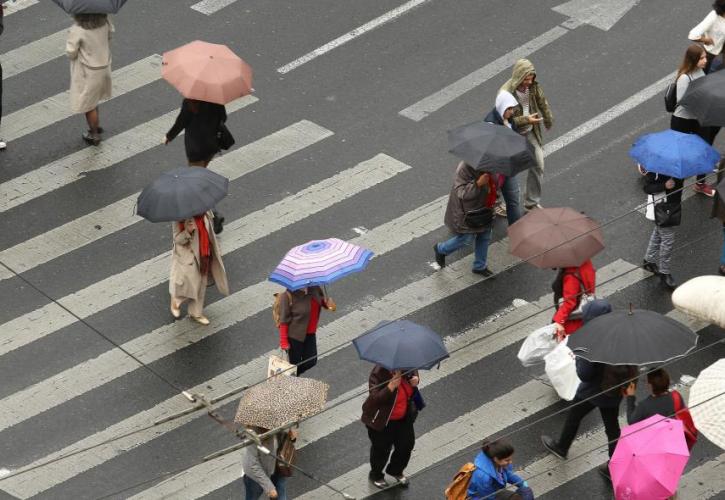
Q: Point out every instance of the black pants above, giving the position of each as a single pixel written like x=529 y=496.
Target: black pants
x=398 y=436
x=577 y=413
x=1 y=92
x=687 y=126
x=299 y=351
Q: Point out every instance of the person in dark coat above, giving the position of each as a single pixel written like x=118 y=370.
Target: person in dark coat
x=718 y=211
x=601 y=387
x=389 y=413
x=662 y=241
x=575 y=281
x=659 y=402
x=201 y=121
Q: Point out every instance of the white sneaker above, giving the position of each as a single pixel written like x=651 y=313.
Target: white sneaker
x=3 y=145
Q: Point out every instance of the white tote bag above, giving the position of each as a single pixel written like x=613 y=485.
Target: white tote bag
x=561 y=370
x=278 y=364
x=538 y=344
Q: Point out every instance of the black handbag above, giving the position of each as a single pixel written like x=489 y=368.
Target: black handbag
x=668 y=214
x=479 y=218
x=224 y=138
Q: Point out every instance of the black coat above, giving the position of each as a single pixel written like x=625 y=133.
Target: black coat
x=591 y=375
x=201 y=129
x=655 y=184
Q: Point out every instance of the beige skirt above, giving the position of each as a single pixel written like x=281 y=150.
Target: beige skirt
x=88 y=86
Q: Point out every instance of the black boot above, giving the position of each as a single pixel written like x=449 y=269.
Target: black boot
x=668 y=281
x=650 y=266
x=553 y=447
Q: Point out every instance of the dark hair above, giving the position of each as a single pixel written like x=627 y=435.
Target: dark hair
x=499 y=448
x=719 y=7
x=615 y=377
x=90 y=21
x=659 y=379
x=689 y=62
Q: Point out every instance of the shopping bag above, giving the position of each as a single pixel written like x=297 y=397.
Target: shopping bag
x=277 y=365
x=561 y=370
x=537 y=345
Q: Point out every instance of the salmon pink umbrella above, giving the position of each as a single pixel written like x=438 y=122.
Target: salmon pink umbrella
x=207 y=72
x=649 y=459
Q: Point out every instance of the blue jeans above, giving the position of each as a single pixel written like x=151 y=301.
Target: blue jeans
x=253 y=490
x=510 y=192
x=480 y=248
x=722 y=257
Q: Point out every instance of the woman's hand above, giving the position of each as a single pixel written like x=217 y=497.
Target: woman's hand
x=395 y=381
x=482 y=180
x=534 y=119
x=330 y=304
x=414 y=380
x=706 y=40
x=560 y=333
x=272 y=494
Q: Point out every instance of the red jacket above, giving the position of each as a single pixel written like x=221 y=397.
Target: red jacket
x=571 y=293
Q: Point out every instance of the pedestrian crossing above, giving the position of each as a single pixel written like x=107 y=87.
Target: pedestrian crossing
x=150 y=345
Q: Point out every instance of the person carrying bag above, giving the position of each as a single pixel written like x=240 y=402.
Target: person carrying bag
x=667 y=215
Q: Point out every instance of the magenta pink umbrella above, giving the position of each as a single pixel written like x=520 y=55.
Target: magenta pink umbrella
x=649 y=459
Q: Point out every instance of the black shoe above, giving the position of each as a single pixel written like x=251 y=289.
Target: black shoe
x=553 y=447
x=379 y=483
x=668 y=281
x=90 y=138
x=218 y=223
x=721 y=270
x=440 y=258
x=650 y=266
x=485 y=272
x=403 y=480
x=604 y=470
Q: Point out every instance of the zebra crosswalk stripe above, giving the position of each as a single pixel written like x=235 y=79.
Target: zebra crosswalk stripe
x=18 y=5
x=33 y=54
x=704 y=481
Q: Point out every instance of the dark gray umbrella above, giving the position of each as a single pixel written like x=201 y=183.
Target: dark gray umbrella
x=634 y=337
x=493 y=148
x=721 y=189
x=73 y=7
x=705 y=98
x=181 y=193
x=401 y=345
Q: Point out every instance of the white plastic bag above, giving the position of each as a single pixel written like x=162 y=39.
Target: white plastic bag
x=561 y=370
x=538 y=344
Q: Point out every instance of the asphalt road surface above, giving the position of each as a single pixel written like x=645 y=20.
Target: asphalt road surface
x=346 y=137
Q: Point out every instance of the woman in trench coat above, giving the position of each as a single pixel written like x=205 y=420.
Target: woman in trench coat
x=88 y=48
x=195 y=256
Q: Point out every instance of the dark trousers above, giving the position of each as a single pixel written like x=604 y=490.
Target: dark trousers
x=398 y=436
x=300 y=351
x=1 y=92
x=692 y=127
x=577 y=413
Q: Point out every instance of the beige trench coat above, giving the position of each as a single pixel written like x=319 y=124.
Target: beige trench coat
x=89 y=52
x=186 y=280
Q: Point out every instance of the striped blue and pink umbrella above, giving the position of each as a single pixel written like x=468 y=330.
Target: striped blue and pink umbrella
x=319 y=262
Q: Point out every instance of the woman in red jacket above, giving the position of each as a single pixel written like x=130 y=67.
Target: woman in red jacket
x=575 y=281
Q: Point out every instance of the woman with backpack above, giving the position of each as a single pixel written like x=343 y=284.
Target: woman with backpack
x=494 y=470
x=569 y=287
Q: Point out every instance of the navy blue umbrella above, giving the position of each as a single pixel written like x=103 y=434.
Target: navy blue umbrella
x=73 y=7
x=401 y=345
x=675 y=154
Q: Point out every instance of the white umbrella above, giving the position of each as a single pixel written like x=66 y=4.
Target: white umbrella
x=707 y=403
x=702 y=297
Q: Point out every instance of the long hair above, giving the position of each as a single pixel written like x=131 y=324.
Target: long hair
x=90 y=21
x=689 y=62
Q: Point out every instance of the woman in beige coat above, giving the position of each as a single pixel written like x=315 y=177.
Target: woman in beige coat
x=194 y=257
x=89 y=51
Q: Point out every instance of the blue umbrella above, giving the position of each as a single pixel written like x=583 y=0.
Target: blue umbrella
x=675 y=154
x=401 y=345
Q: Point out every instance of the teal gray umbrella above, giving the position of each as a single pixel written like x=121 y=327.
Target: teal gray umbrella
x=181 y=193
x=401 y=345
x=73 y=7
x=491 y=148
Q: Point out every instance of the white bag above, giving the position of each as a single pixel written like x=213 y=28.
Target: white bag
x=561 y=370
x=649 y=211
x=537 y=345
x=278 y=364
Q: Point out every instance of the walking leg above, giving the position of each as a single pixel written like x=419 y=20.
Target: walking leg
x=667 y=243
x=454 y=243
x=196 y=306
x=573 y=418
x=403 y=442
x=652 y=254
x=611 y=427
x=481 y=249
x=380 y=446
x=532 y=196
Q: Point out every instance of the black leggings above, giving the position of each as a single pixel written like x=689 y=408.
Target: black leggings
x=577 y=413
x=299 y=351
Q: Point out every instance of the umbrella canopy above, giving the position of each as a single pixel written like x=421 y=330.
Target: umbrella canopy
x=649 y=459
x=705 y=98
x=707 y=403
x=702 y=297
x=634 y=337
x=675 y=154
x=280 y=401
x=207 y=72
x=401 y=345
x=319 y=262
x=73 y=7
x=555 y=237
x=493 y=148
x=181 y=193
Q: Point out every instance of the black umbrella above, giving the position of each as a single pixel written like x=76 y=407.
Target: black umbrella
x=705 y=98
x=493 y=148
x=73 y=7
x=634 y=337
x=181 y=193
x=721 y=189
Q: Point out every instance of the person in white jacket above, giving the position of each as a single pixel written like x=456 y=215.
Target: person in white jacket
x=711 y=32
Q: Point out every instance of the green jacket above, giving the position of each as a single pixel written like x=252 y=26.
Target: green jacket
x=537 y=99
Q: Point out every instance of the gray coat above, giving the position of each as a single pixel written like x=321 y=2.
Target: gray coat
x=297 y=314
x=465 y=196
x=258 y=466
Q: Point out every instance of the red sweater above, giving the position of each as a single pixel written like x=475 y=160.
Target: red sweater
x=400 y=408
x=572 y=289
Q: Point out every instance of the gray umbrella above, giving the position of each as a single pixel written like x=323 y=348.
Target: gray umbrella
x=705 y=98
x=73 y=7
x=181 y=193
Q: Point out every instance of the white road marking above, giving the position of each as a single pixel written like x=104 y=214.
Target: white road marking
x=169 y=338
x=351 y=35
x=446 y=95
x=107 y=292
x=18 y=5
x=54 y=109
x=33 y=54
x=704 y=481
x=73 y=167
x=209 y=7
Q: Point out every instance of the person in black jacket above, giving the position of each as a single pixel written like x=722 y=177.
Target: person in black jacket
x=660 y=402
x=201 y=121
x=659 y=250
